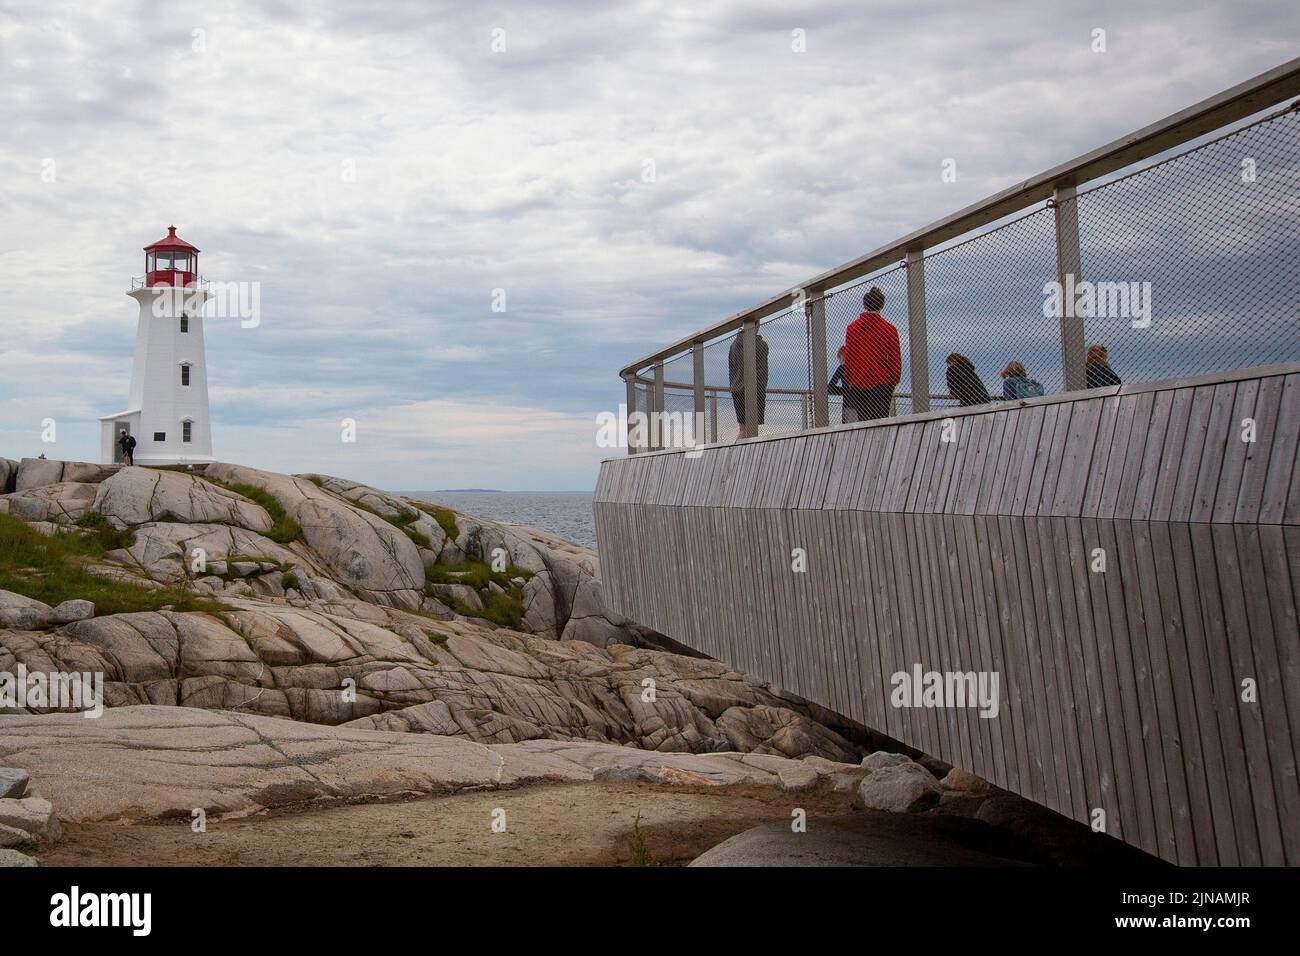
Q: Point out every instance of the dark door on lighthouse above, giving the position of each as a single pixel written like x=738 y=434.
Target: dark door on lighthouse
x=118 y=428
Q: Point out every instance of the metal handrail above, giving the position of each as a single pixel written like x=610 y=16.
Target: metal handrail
x=1236 y=103
x=138 y=282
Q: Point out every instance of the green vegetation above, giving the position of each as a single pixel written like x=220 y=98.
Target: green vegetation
x=106 y=536
x=284 y=529
x=445 y=517
x=505 y=609
x=401 y=521
x=638 y=854
x=476 y=574
x=53 y=569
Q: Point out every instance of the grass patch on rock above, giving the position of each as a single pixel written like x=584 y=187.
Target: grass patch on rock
x=445 y=517
x=476 y=574
x=53 y=569
x=107 y=537
x=505 y=609
x=284 y=529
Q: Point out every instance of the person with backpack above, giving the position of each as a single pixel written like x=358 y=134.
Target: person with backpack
x=127 y=443
x=873 y=361
x=964 y=383
x=1017 y=384
x=1097 y=370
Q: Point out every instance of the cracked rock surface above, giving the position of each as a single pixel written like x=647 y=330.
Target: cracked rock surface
x=337 y=631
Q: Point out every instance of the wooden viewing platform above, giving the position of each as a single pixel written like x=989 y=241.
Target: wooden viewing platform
x=1159 y=685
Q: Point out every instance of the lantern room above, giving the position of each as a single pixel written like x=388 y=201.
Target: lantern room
x=171 y=261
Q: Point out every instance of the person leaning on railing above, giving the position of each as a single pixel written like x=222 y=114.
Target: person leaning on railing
x=736 y=374
x=837 y=386
x=1017 y=384
x=964 y=383
x=873 y=361
x=1097 y=370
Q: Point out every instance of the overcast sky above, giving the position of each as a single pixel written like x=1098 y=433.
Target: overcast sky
x=380 y=170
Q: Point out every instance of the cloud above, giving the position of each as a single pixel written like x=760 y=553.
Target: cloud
x=380 y=172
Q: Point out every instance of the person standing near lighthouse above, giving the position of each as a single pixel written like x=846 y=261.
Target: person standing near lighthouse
x=166 y=420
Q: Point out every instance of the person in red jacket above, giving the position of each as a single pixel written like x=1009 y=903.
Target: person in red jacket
x=873 y=363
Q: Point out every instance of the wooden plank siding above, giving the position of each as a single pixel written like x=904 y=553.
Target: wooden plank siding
x=1126 y=560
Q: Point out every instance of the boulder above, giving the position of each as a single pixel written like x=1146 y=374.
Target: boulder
x=12 y=836
x=8 y=474
x=11 y=858
x=63 y=502
x=883 y=758
x=32 y=814
x=17 y=611
x=463 y=593
x=958 y=779
x=13 y=783
x=797 y=777
x=34 y=472
x=899 y=788
x=73 y=610
x=139 y=495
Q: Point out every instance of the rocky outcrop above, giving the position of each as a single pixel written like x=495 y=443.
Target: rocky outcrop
x=17 y=611
x=900 y=788
x=343 y=625
x=365 y=553
x=35 y=472
x=136 y=496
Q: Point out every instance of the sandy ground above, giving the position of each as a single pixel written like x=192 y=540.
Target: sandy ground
x=585 y=824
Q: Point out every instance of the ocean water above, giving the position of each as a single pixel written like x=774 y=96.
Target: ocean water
x=566 y=514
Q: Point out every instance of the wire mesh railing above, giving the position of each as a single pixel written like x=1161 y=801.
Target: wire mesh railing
x=1182 y=257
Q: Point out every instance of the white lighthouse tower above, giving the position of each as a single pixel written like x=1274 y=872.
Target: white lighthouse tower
x=167 y=411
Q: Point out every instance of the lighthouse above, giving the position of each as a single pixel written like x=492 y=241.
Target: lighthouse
x=167 y=408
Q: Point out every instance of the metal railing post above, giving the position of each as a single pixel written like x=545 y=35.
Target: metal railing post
x=749 y=377
x=713 y=415
x=697 y=357
x=816 y=311
x=918 y=343
x=657 y=408
x=1069 y=273
x=630 y=381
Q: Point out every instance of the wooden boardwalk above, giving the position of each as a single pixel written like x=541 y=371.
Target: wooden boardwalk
x=1124 y=560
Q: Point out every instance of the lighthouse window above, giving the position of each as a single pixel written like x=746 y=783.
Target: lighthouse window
x=185 y=375
x=185 y=430
x=185 y=323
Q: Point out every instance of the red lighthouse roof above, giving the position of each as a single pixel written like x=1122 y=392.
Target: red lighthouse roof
x=171 y=241
x=171 y=261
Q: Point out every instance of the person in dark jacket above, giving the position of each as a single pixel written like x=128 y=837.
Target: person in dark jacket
x=964 y=383
x=127 y=443
x=736 y=373
x=1097 y=370
x=838 y=385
